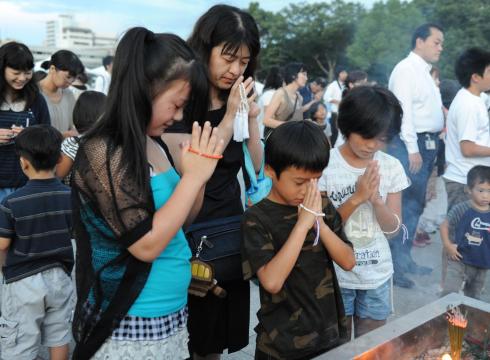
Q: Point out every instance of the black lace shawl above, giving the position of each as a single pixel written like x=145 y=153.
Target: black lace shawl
x=110 y=213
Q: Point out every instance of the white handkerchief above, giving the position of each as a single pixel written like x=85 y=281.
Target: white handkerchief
x=240 y=124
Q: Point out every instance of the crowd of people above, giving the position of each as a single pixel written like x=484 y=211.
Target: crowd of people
x=101 y=191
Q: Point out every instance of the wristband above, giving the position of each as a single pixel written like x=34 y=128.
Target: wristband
x=208 y=156
x=317 y=237
x=311 y=211
x=397 y=226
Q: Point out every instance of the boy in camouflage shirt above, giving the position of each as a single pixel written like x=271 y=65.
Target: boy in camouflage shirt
x=289 y=241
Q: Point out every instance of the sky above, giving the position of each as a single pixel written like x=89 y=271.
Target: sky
x=24 y=20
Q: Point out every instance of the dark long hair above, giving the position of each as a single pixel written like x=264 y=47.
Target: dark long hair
x=144 y=64
x=228 y=25
x=17 y=56
x=65 y=60
x=88 y=109
x=274 y=78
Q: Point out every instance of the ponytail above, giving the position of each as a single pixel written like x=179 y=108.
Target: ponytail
x=144 y=63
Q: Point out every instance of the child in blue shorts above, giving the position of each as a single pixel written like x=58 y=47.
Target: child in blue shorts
x=465 y=235
x=35 y=229
x=365 y=185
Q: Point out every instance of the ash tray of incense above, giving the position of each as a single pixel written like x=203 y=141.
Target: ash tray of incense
x=425 y=334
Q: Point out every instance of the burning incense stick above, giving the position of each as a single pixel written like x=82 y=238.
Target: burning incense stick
x=457 y=323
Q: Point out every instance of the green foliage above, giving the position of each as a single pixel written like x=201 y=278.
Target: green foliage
x=466 y=24
x=324 y=35
x=315 y=34
x=383 y=37
x=272 y=27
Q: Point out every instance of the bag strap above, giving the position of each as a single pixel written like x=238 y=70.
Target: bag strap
x=294 y=106
x=249 y=166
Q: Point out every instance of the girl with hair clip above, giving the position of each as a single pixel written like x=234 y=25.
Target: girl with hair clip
x=63 y=68
x=129 y=205
x=227 y=41
x=21 y=105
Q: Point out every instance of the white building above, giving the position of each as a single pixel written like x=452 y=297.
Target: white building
x=66 y=33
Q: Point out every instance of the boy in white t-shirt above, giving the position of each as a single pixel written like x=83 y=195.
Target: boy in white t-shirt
x=468 y=132
x=365 y=185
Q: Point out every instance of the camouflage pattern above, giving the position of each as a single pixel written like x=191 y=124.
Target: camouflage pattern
x=307 y=315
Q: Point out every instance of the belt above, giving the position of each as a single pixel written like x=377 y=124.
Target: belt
x=429 y=133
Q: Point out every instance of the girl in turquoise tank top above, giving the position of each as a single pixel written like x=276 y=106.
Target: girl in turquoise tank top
x=130 y=205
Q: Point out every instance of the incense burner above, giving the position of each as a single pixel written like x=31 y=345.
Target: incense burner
x=417 y=333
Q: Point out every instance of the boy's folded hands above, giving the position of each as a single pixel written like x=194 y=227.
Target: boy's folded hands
x=312 y=202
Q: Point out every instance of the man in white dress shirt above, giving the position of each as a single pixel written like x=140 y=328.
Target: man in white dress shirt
x=416 y=147
x=332 y=97
x=103 y=81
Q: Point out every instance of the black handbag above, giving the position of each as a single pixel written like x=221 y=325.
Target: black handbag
x=218 y=242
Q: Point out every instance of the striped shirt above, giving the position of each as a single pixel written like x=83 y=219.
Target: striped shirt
x=11 y=175
x=37 y=219
x=69 y=147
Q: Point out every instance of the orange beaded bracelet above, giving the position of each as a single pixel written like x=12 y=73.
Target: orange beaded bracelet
x=209 y=156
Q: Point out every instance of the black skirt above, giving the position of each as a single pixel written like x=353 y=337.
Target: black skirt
x=217 y=324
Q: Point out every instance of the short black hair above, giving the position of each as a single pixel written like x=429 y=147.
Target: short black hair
x=471 y=61
x=41 y=145
x=339 y=70
x=300 y=144
x=370 y=111
x=321 y=81
x=107 y=60
x=424 y=31
x=478 y=174
x=314 y=108
x=88 y=109
x=291 y=70
x=355 y=76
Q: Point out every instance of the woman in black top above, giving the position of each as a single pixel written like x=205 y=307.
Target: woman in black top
x=21 y=105
x=227 y=41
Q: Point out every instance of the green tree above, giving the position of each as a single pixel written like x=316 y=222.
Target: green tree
x=383 y=37
x=466 y=24
x=316 y=34
x=272 y=27
x=320 y=33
